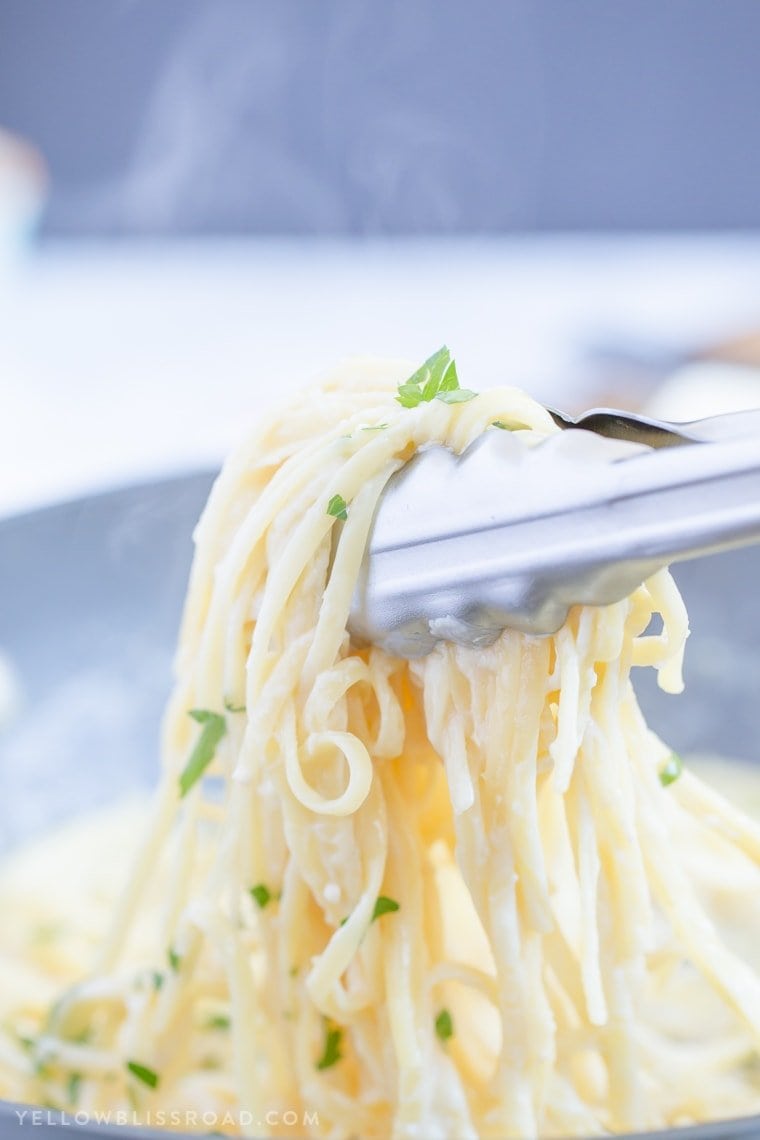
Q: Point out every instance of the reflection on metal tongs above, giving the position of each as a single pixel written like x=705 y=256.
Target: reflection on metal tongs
x=510 y=536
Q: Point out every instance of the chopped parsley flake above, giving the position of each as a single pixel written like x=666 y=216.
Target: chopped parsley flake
x=175 y=960
x=73 y=1087
x=444 y=1026
x=337 y=507
x=508 y=427
x=671 y=770
x=384 y=905
x=332 y=1053
x=143 y=1073
x=214 y=728
x=436 y=379
x=261 y=894
x=157 y=980
x=233 y=708
x=461 y=396
x=218 y=1021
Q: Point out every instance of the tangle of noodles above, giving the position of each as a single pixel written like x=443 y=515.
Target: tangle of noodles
x=547 y=957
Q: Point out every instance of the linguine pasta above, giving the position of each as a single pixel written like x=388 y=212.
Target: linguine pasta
x=466 y=896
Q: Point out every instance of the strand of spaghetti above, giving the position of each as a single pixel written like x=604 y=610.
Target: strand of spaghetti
x=666 y=649
x=226 y=493
x=336 y=599
x=99 y=1062
x=492 y=884
x=246 y=559
x=446 y=728
x=739 y=985
x=588 y=867
x=263 y=716
x=715 y=812
x=627 y=1104
x=518 y=782
x=622 y=880
x=181 y=877
x=247 y=1033
x=327 y=968
x=490 y=873
x=303 y=465
x=158 y=827
x=607 y=782
x=360 y=773
x=575 y=680
x=389 y=740
x=512 y=1084
x=567 y=1110
x=404 y=972
x=508 y=405
x=306 y=537
x=464 y=973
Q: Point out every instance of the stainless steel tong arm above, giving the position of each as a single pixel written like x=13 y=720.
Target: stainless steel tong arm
x=509 y=535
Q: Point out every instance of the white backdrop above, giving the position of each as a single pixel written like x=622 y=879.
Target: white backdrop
x=121 y=362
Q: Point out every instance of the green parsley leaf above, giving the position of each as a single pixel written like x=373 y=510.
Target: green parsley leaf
x=514 y=426
x=436 y=379
x=423 y=384
x=434 y=367
x=431 y=388
x=337 y=507
x=261 y=894
x=233 y=708
x=214 y=728
x=218 y=1021
x=384 y=905
x=458 y=396
x=444 y=1026
x=144 y=1074
x=73 y=1087
x=332 y=1053
x=175 y=959
x=47 y=932
x=157 y=979
x=449 y=380
x=409 y=395
x=671 y=770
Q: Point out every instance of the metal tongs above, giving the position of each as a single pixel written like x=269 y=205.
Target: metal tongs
x=508 y=535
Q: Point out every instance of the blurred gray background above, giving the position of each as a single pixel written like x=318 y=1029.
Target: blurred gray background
x=387 y=116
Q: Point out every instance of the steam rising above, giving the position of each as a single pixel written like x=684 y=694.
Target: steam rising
x=309 y=118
